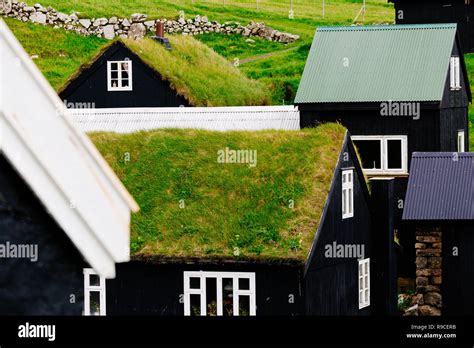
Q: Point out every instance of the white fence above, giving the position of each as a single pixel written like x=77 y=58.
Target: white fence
x=129 y=120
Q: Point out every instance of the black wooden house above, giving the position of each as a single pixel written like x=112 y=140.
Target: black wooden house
x=318 y=264
x=142 y=73
x=118 y=77
x=397 y=88
x=440 y=206
x=439 y=11
x=61 y=207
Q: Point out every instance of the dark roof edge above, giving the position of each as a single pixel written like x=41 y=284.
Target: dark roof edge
x=215 y=260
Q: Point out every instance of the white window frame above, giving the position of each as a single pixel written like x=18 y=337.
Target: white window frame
x=383 y=153
x=347 y=180
x=236 y=292
x=119 y=88
x=461 y=141
x=455 y=73
x=364 y=278
x=88 y=288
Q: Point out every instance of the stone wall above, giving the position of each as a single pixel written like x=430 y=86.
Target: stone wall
x=428 y=272
x=137 y=25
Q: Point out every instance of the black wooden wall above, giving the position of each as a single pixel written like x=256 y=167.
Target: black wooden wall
x=332 y=283
x=458 y=271
x=142 y=288
x=149 y=89
x=445 y=11
x=54 y=284
x=422 y=134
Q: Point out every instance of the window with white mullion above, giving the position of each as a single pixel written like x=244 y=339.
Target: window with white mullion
x=461 y=141
x=235 y=294
x=383 y=154
x=231 y=293
x=455 y=73
x=347 y=193
x=364 y=283
x=94 y=293
x=119 y=75
x=220 y=310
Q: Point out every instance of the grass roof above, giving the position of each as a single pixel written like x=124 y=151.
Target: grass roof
x=194 y=71
x=194 y=207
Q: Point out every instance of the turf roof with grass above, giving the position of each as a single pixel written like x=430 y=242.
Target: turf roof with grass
x=194 y=71
x=193 y=207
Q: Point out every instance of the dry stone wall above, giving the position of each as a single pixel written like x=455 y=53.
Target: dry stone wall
x=428 y=272
x=137 y=25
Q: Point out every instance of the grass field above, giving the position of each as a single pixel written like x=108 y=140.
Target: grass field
x=201 y=207
x=282 y=82
x=470 y=69
x=60 y=54
x=307 y=13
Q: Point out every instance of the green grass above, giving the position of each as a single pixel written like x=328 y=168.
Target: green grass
x=274 y=13
x=469 y=58
x=59 y=53
x=202 y=208
x=307 y=13
x=236 y=46
x=197 y=73
x=282 y=73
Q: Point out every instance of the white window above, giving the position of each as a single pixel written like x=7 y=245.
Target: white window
x=94 y=293
x=455 y=73
x=119 y=75
x=347 y=193
x=219 y=293
x=461 y=141
x=383 y=154
x=364 y=283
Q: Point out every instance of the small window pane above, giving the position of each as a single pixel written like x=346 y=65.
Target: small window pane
x=195 y=302
x=211 y=296
x=113 y=66
x=94 y=302
x=94 y=280
x=195 y=283
x=344 y=199
x=114 y=75
x=124 y=83
x=114 y=83
x=244 y=284
x=244 y=306
x=370 y=153
x=227 y=297
x=350 y=200
x=394 y=154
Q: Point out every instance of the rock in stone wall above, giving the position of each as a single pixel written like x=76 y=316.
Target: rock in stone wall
x=137 y=25
x=428 y=272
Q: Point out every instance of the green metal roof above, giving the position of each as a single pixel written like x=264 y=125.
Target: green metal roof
x=377 y=63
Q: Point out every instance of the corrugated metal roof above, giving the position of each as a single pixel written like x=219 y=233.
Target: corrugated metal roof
x=377 y=63
x=129 y=120
x=440 y=187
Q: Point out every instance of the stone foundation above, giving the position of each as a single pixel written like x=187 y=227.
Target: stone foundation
x=428 y=272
